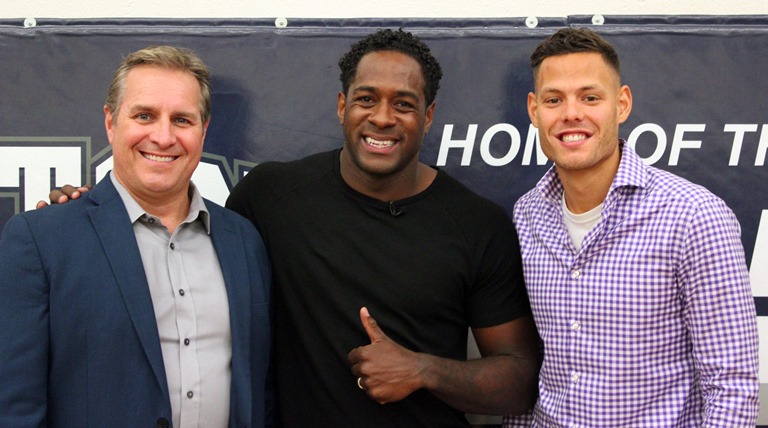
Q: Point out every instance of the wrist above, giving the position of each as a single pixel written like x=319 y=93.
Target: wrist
x=427 y=371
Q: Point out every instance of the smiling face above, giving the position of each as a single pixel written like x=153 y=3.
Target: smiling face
x=157 y=136
x=578 y=106
x=385 y=117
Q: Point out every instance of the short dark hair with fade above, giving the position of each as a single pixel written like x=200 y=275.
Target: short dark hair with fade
x=398 y=41
x=574 y=40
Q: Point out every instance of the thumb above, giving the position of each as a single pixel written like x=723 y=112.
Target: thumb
x=371 y=326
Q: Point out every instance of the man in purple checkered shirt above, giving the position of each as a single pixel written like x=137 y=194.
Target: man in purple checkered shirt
x=637 y=277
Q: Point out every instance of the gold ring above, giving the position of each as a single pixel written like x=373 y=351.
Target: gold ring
x=360 y=385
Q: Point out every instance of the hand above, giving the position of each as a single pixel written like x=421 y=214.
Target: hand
x=63 y=195
x=389 y=372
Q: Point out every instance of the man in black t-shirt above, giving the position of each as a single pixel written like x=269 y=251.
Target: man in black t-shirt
x=367 y=231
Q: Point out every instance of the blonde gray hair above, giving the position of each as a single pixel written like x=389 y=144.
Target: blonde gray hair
x=169 y=57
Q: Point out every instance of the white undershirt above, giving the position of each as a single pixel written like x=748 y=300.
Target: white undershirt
x=579 y=225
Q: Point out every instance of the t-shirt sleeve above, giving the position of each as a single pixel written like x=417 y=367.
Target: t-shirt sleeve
x=498 y=293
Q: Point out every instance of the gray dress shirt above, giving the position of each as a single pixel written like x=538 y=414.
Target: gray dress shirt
x=191 y=308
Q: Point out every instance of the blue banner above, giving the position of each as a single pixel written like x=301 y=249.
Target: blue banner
x=699 y=86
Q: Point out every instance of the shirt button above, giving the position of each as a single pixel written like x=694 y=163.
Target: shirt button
x=173 y=246
x=181 y=292
x=575 y=377
x=575 y=274
x=151 y=220
x=190 y=394
x=575 y=326
x=186 y=342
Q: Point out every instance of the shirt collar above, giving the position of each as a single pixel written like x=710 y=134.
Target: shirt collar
x=197 y=208
x=631 y=173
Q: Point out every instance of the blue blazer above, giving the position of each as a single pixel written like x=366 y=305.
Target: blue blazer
x=79 y=345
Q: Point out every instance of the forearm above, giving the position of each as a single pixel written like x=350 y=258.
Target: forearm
x=727 y=366
x=502 y=382
x=721 y=321
x=496 y=385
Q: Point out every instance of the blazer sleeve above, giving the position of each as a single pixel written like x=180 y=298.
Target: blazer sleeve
x=23 y=328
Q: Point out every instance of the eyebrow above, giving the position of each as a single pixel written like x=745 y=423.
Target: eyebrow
x=400 y=93
x=143 y=107
x=580 y=89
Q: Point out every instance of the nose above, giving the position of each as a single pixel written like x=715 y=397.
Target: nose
x=382 y=115
x=572 y=111
x=163 y=133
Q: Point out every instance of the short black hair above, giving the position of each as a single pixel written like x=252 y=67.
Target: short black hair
x=393 y=40
x=574 y=40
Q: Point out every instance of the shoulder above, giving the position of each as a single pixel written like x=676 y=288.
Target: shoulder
x=270 y=180
x=51 y=219
x=16 y=226
x=456 y=195
x=529 y=197
x=228 y=217
x=232 y=233
x=468 y=208
x=57 y=231
x=690 y=207
x=291 y=171
x=673 y=188
x=528 y=202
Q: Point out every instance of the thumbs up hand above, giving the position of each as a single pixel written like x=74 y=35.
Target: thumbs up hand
x=385 y=370
x=372 y=327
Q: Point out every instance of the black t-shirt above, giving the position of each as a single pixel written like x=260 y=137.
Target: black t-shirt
x=427 y=267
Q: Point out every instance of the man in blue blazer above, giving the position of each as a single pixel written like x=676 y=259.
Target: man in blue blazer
x=140 y=304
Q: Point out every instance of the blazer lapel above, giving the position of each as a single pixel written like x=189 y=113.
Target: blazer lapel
x=234 y=267
x=112 y=225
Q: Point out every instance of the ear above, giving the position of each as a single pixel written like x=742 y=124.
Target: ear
x=341 y=105
x=625 y=103
x=205 y=129
x=533 y=105
x=429 y=114
x=108 y=124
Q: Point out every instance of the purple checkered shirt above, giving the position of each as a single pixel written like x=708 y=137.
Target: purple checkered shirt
x=652 y=323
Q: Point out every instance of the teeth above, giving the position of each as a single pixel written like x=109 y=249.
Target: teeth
x=159 y=158
x=380 y=144
x=570 y=138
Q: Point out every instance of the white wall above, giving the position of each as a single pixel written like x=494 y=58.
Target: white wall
x=370 y=9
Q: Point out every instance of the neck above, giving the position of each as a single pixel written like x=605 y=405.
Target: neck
x=580 y=199
x=413 y=179
x=171 y=211
x=586 y=189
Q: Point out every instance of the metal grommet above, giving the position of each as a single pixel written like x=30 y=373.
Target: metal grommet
x=281 y=22
x=531 y=22
x=30 y=22
x=598 y=20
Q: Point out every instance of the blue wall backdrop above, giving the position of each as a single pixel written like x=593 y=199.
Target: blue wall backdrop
x=700 y=91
